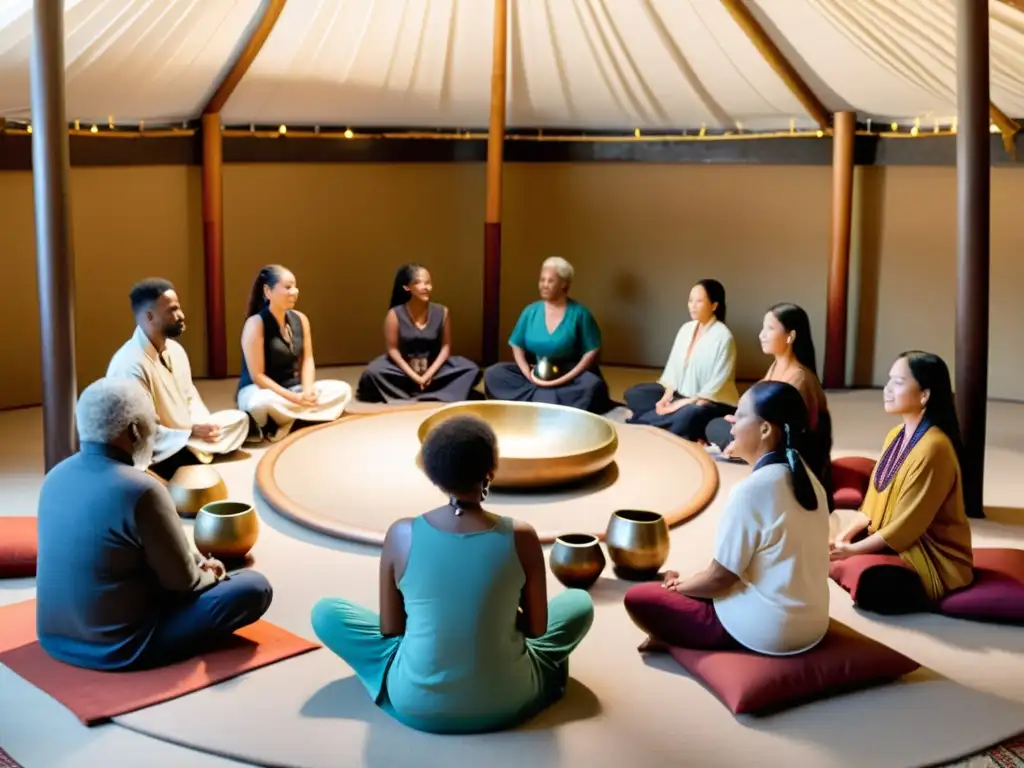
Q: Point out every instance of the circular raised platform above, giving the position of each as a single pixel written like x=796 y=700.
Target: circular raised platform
x=352 y=478
x=540 y=444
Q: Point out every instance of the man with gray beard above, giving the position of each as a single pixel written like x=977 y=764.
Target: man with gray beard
x=117 y=584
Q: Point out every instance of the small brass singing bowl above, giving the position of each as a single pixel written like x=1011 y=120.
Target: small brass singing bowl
x=577 y=560
x=545 y=370
x=538 y=444
x=226 y=530
x=637 y=542
x=194 y=486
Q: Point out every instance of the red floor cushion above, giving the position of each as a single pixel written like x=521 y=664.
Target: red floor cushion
x=881 y=584
x=18 y=547
x=997 y=593
x=752 y=683
x=851 y=476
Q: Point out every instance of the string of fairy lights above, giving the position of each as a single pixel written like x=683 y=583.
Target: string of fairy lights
x=870 y=127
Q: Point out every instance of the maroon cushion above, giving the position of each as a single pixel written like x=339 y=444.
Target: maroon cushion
x=851 y=476
x=752 y=683
x=997 y=593
x=848 y=498
x=18 y=547
x=880 y=584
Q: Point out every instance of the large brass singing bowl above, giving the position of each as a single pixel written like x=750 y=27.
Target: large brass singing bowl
x=194 y=486
x=538 y=444
x=576 y=560
x=637 y=542
x=226 y=530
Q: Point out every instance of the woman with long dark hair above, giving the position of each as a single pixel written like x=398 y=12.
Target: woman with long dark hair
x=418 y=363
x=278 y=384
x=698 y=384
x=915 y=502
x=786 y=336
x=767 y=587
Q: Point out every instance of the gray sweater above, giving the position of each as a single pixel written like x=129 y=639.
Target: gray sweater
x=113 y=557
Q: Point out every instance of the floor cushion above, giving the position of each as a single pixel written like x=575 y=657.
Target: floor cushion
x=18 y=547
x=755 y=684
x=881 y=584
x=851 y=476
x=997 y=593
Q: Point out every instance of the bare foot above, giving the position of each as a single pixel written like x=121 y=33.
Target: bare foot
x=652 y=645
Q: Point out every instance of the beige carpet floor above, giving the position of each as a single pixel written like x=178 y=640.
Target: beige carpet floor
x=620 y=709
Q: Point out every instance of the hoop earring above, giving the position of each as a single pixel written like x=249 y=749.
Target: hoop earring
x=485 y=491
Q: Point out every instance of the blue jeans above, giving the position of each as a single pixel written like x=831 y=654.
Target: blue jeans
x=193 y=625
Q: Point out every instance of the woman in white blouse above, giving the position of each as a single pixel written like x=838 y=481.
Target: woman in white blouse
x=766 y=588
x=699 y=380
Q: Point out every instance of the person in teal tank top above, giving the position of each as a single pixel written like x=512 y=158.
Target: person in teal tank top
x=563 y=332
x=466 y=640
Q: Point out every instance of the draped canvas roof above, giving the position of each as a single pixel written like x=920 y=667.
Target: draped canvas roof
x=574 y=64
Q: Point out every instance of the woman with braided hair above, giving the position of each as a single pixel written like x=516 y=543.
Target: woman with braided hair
x=766 y=588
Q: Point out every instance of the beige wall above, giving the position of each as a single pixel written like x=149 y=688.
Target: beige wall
x=639 y=235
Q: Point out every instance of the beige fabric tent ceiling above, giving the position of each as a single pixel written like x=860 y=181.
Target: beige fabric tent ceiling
x=576 y=64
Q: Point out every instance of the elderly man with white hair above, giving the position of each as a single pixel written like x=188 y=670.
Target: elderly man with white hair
x=117 y=585
x=555 y=345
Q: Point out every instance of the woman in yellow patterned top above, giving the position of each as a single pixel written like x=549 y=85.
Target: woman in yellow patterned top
x=915 y=504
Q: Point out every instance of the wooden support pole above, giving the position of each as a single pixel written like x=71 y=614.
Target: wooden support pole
x=845 y=130
x=213 y=189
x=973 y=212
x=495 y=160
x=213 y=246
x=55 y=261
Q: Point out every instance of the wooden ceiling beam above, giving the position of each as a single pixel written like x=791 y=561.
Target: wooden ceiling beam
x=779 y=63
x=261 y=31
x=1007 y=126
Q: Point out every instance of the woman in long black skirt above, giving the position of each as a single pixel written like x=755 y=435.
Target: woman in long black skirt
x=418 y=364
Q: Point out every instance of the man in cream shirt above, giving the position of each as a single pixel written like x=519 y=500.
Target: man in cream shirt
x=187 y=431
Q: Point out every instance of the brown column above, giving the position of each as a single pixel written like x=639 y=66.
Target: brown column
x=973 y=210
x=213 y=245
x=55 y=261
x=213 y=187
x=844 y=131
x=495 y=159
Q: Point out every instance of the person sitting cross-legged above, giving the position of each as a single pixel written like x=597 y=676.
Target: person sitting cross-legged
x=187 y=433
x=466 y=640
x=117 y=585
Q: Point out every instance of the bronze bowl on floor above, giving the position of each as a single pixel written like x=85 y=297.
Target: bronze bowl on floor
x=226 y=530
x=637 y=542
x=576 y=560
x=538 y=444
x=193 y=486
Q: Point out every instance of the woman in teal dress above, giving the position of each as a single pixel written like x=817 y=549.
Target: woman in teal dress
x=561 y=332
x=466 y=641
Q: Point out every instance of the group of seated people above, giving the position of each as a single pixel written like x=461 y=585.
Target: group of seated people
x=466 y=639
x=278 y=386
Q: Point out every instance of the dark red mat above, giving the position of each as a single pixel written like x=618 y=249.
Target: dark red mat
x=96 y=697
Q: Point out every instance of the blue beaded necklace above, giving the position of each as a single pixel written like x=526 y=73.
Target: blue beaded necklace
x=893 y=457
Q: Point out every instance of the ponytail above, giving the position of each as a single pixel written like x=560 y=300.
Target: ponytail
x=268 y=277
x=803 y=488
x=781 y=404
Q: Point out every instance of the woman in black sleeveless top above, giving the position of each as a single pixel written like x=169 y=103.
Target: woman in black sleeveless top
x=278 y=384
x=418 y=364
